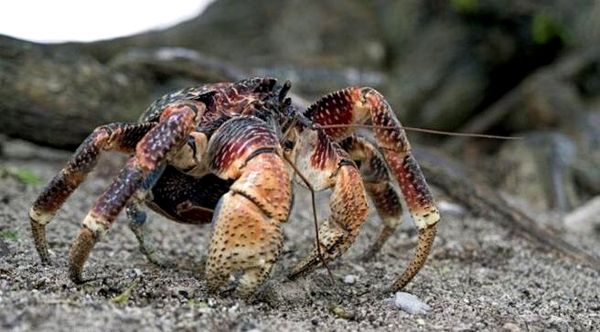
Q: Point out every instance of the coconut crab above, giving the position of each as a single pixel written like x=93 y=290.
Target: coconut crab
x=218 y=152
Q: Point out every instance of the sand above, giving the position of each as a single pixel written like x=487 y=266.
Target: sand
x=479 y=276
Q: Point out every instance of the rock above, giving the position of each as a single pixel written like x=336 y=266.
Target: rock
x=584 y=219
x=511 y=327
x=410 y=303
x=350 y=279
x=540 y=168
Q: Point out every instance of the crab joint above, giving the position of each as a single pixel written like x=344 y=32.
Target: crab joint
x=95 y=224
x=40 y=217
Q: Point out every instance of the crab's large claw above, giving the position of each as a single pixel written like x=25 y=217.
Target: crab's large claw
x=247 y=238
x=356 y=105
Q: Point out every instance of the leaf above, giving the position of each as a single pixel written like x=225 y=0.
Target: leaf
x=465 y=6
x=339 y=311
x=27 y=176
x=10 y=235
x=124 y=296
x=544 y=28
x=197 y=304
x=24 y=175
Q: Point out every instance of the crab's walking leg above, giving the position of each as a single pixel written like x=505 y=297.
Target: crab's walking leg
x=137 y=223
x=116 y=136
x=138 y=218
x=176 y=122
x=355 y=105
x=378 y=184
x=328 y=166
x=247 y=236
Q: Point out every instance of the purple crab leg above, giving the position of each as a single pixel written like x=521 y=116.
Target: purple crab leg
x=176 y=123
x=116 y=136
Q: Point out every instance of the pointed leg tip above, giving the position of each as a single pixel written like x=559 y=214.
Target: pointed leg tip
x=79 y=253
x=45 y=259
x=304 y=267
x=154 y=257
x=294 y=275
x=38 y=231
x=399 y=285
x=76 y=278
x=371 y=253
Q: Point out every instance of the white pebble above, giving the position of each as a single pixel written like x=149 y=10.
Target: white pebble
x=350 y=279
x=410 y=303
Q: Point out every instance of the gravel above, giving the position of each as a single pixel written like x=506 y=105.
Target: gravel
x=479 y=277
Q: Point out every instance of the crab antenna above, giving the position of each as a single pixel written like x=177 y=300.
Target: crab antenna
x=312 y=197
x=293 y=122
x=316 y=222
x=423 y=130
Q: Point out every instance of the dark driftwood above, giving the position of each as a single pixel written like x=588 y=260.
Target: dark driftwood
x=466 y=187
x=55 y=96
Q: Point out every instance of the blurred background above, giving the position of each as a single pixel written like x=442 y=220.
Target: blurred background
x=526 y=68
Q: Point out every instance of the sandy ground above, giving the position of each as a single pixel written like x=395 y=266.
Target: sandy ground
x=479 y=277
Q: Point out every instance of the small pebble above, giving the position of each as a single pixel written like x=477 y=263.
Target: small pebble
x=350 y=279
x=410 y=303
x=511 y=327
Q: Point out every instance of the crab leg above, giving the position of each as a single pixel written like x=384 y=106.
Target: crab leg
x=137 y=223
x=247 y=236
x=115 y=136
x=355 y=106
x=378 y=184
x=326 y=165
x=176 y=122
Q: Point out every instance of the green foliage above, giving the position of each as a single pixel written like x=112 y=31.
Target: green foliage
x=124 y=297
x=465 y=6
x=339 y=311
x=544 y=28
x=24 y=175
x=9 y=235
x=197 y=304
x=27 y=176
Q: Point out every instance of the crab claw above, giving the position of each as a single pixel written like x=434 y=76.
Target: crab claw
x=247 y=238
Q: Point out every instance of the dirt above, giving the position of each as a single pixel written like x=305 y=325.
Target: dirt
x=479 y=276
